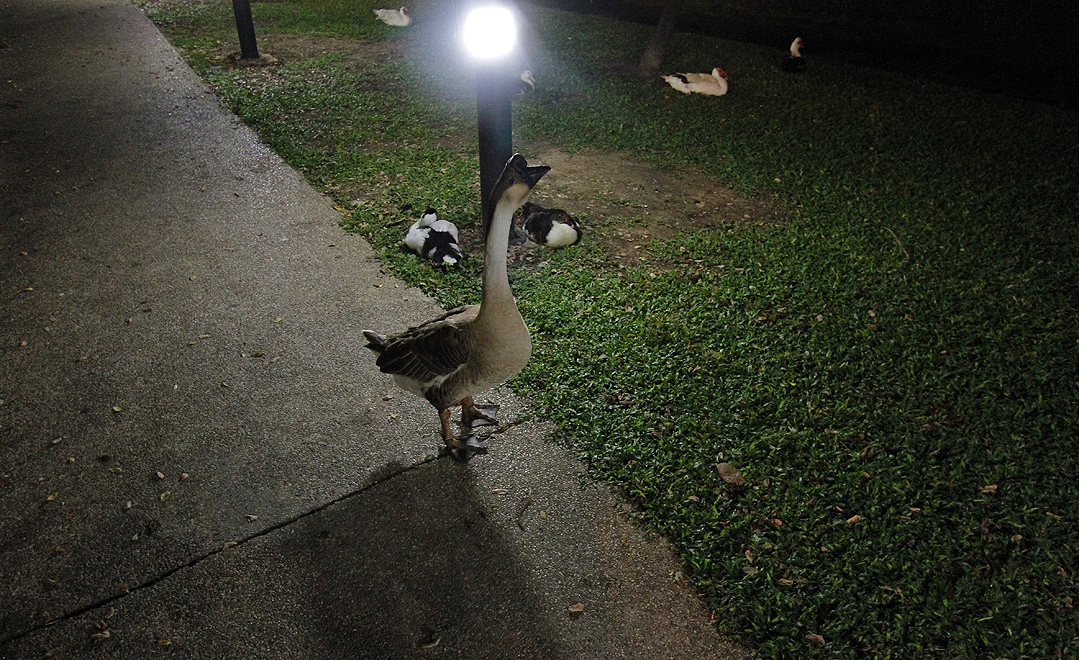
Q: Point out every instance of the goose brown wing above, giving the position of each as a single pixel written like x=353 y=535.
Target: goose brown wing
x=436 y=348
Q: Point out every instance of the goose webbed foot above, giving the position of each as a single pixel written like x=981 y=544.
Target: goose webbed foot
x=473 y=415
x=462 y=449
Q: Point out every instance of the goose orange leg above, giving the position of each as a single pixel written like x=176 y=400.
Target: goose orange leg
x=473 y=415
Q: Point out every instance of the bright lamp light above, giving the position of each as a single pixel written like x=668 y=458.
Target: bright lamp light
x=489 y=33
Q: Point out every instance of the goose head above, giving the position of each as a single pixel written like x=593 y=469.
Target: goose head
x=796 y=47
x=512 y=188
x=719 y=73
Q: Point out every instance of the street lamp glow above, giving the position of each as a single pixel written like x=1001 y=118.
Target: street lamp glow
x=489 y=33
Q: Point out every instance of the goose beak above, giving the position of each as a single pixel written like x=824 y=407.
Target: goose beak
x=528 y=175
x=514 y=186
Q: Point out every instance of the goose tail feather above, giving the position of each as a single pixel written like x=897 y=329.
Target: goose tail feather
x=375 y=341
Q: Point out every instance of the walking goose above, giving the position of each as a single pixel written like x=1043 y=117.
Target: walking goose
x=470 y=349
x=710 y=84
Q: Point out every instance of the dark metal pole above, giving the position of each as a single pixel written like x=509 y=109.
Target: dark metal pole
x=495 y=121
x=245 y=26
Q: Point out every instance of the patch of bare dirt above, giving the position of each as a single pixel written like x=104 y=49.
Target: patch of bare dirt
x=627 y=204
x=286 y=48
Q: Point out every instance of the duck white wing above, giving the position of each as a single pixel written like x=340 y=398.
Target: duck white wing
x=678 y=81
x=698 y=77
x=711 y=87
x=445 y=226
x=416 y=237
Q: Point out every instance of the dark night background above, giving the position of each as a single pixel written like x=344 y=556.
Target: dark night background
x=1023 y=49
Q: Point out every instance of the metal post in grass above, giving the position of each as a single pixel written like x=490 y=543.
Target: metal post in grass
x=489 y=34
x=245 y=27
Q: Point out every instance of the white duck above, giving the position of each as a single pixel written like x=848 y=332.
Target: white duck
x=473 y=348
x=551 y=227
x=434 y=239
x=711 y=84
x=396 y=17
x=794 y=63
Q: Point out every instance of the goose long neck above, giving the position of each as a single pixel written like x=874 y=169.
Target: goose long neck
x=496 y=284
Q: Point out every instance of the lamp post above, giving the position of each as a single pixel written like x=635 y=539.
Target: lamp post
x=245 y=27
x=489 y=34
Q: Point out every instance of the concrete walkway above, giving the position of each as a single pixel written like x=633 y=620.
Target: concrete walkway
x=198 y=458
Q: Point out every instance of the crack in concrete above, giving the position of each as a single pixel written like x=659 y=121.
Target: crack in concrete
x=228 y=545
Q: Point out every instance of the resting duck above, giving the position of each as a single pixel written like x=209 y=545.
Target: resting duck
x=527 y=83
x=469 y=349
x=794 y=63
x=396 y=17
x=551 y=227
x=434 y=239
x=711 y=84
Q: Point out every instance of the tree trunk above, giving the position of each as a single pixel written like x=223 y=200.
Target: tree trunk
x=652 y=58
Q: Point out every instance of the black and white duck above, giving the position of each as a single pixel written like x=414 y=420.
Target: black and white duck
x=794 y=63
x=551 y=227
x=434 y=239
x=468 y=350
x=527 y=82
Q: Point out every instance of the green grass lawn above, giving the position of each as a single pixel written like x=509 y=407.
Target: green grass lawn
x=894 y=367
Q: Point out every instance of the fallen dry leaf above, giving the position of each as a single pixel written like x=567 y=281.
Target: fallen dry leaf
x=730 y=474
x=989 y=489
x=576 y=608
x=853 y=519
x=816 y=638
x=680 y=578
x=164 y=496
